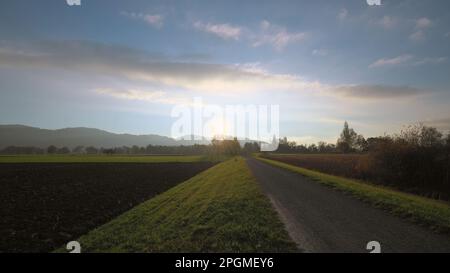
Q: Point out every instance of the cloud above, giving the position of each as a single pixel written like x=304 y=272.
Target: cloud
x=155 y=20
x=423 y=23
x=184 y=77
x=224 y=31
x=391 y=62
x=407 y=60
x=96 y=58
x=276 y=36
x=142 y=95
x=320 y=52
x=425 y=61
x=343 y=14
x=267 y=34
x=376 y=91
x=417 y=36
x=387 y=22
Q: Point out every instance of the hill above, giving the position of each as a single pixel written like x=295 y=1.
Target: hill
x=20 y=135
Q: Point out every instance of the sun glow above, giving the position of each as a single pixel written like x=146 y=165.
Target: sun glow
x=218 y=128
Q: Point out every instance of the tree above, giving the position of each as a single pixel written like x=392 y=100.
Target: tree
x=410 y=135
x=430 y=137
x=347 y=140
x=421 y=135
x=63 y=150
x=312 y=148
x=108 y=151
x=361 y=144
x=78 y=150
x=286 y=146
x=21 y=150
x=250 y=147
x=52 y=149
x=322 y=146
x=226 y=146
x=91 y=150
x=135 y=149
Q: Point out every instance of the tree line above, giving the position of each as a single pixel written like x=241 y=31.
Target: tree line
x=351 y=142
x=348 y=142
x=225 y=147
x=417 y=159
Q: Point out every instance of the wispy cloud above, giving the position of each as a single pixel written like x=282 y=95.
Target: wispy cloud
x=155 y=20
x=142 y=95
x=269 y=34
x=391 y=61
x=224 y=31
x=276 y=36
x=407 y=60
x=425 y=61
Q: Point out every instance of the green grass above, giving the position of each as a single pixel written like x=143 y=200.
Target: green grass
x=431 y=213
x=98 y=158
x=220 y=210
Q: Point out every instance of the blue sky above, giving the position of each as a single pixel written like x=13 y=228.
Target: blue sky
x=123 y=65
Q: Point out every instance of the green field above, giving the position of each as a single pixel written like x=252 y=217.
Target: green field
x=99 y=158
x=431 y=213
x=220 y=210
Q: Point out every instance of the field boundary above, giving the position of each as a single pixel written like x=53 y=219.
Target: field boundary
x=431 y=213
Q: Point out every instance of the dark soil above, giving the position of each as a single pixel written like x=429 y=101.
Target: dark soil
x=43 y=206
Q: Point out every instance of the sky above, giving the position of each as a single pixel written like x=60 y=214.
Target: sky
x=122 y=66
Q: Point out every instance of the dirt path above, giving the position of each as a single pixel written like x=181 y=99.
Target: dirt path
x=321 y=219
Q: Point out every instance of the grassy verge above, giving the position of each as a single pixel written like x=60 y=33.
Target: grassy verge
x=220 y=210
x=431 y=213
x=99 y=158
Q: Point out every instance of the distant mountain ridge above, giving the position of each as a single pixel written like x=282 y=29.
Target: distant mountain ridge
x=21 y=135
